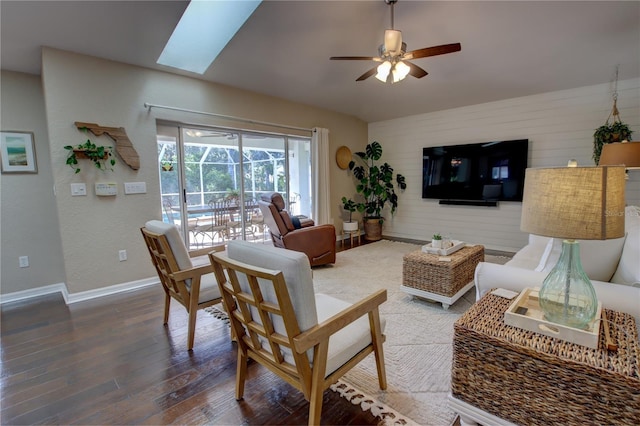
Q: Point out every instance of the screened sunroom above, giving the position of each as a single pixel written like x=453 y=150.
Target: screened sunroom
x=214 y=177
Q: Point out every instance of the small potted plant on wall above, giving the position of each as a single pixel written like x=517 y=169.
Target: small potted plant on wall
x=101 y=156
x=350 y=206
x=376 y=186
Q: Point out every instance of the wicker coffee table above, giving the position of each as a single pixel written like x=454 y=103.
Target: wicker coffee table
x=443 y=279
x=503 y=374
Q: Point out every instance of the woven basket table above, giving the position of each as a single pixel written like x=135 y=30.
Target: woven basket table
x=528 y=378
x=425 y=275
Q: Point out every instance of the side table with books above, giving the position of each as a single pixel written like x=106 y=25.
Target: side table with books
x=503 y=374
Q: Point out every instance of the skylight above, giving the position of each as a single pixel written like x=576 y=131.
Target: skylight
x=203 y=31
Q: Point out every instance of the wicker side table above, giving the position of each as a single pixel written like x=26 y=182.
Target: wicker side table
x=503 y=374
x=425 y=275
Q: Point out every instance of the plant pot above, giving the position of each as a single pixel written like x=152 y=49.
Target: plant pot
x=84 y=154
x=351 y=226
x=372 y=229
x=436 y=244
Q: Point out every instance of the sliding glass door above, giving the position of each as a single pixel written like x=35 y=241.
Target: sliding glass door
x=211 y=179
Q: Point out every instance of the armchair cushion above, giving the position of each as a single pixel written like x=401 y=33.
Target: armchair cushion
x=297 y=274
x=310 y=309
x=170 y=231
x=346 y=343
x=288 y=222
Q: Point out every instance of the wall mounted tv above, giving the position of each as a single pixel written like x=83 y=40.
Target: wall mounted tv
x=475 y=174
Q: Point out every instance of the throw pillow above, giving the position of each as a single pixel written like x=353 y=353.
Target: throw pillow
x=628 y=271
x=599 y=258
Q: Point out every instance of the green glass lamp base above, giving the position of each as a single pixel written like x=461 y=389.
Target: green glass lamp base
x=567 y=296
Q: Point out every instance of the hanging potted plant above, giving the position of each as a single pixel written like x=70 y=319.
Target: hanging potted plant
x=376 y=186
x=616 y=131
x=609 y=132
x=350 y=206
x=101 y=156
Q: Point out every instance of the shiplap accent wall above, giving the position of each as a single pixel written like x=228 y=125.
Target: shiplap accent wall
x=559 y=126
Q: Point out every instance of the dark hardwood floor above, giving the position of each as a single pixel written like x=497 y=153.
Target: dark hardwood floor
x=111 y=361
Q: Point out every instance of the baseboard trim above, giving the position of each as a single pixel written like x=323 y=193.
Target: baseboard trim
x=70 y=298
x=107 y=291
x=34 y=292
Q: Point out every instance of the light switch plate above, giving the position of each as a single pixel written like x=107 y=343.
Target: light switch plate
x=135 y=187
x=78 y=189
x=106 y=189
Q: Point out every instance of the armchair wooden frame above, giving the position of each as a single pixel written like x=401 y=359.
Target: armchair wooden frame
x=181 y=285
x=258 y=340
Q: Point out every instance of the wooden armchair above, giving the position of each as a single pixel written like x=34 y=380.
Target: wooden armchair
x=193 y=285
x=308 y=340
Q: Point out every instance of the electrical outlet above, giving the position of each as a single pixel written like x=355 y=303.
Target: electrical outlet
x=24 y=261
x=122 y=255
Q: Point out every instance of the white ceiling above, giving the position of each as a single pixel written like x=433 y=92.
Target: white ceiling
x=509 y=48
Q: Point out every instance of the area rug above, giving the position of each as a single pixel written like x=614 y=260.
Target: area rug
x=418 y=349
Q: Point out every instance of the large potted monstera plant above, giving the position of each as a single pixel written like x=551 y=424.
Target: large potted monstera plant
x=376 y=186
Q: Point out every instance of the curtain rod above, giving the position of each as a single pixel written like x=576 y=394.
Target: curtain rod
x=229 y=117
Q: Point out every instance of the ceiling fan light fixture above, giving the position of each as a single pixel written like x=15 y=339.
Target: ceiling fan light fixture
x=393 y=42
x=383 y=71
x=400 y=71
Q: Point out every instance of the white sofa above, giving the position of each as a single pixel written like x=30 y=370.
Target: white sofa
x=612 y=265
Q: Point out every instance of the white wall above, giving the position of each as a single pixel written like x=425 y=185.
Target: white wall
x=29 y=224
x=559 y=126
x=75 y=240
x=91 y=230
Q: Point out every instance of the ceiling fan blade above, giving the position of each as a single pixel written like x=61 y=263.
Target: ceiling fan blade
x=415 y=70
x=433 y=51
x=354 y=58
x=367 y=74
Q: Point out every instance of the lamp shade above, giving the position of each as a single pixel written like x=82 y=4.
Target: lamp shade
x=574 y=202
x=621 y=153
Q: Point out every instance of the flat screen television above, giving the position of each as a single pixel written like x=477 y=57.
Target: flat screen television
x=489 y=171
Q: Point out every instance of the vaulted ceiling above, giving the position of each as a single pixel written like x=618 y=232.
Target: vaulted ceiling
x=509 y=48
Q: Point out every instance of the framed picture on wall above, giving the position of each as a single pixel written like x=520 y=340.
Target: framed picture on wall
x=17 y=152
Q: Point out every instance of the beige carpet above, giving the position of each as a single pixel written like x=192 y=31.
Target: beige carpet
x=418 y=349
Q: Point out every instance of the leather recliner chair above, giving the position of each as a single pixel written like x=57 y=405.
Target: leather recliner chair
x=318 y=242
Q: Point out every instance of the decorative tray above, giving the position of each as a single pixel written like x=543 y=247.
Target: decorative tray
x=525 y=313
x=457 y=245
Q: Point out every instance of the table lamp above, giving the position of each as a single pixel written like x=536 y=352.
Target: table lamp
x=572 y=203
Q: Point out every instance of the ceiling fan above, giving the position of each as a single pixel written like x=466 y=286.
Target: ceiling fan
x=393 y=54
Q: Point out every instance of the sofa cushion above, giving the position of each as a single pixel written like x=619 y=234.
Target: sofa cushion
x=599 y=258
x=534 y=255
x=628 y=271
